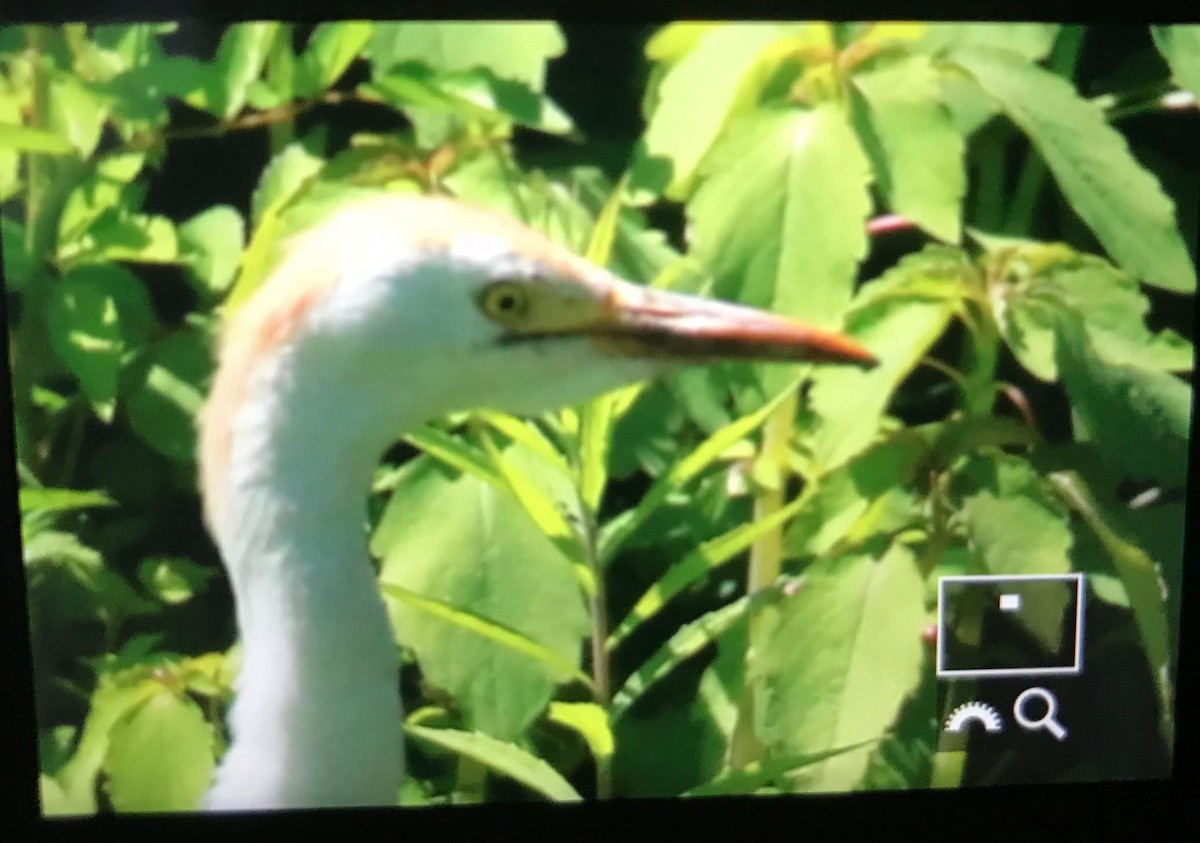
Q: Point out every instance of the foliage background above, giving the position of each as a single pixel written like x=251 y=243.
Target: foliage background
x=148 y=173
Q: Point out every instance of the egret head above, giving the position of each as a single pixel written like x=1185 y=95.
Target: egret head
x=401 y=309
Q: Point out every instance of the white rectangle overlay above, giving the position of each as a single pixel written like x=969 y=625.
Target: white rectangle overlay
x=1072 y=670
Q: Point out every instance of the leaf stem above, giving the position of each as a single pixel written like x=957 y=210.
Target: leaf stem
x=598 y=610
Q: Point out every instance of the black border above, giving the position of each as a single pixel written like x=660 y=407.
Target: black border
x=1136 y=810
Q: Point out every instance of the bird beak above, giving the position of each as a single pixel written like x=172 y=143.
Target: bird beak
x=644 y=322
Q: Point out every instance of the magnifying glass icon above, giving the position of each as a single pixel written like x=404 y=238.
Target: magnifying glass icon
x=1047 y=721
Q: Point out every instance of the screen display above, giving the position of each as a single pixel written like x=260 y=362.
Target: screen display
x=418 y=414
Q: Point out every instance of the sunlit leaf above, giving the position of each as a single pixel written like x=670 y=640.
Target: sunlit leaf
x=1141 y=418
x=61 y=500
x=160 y=757
x=1118 y=199
x=501 y=757
x=780 y=216
x=331 y=49
x=837 y=665
x=29 y=139
x=1180 y=46
x=466 y=543
x=212 y=242
x=696 y=98
x=589 y=721
x=920 y=162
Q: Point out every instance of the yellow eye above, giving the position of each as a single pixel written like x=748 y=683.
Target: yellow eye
x=505 y=301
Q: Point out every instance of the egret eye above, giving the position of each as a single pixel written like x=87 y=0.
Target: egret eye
x=505 y=300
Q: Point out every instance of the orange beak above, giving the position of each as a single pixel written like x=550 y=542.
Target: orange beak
x=643 y=322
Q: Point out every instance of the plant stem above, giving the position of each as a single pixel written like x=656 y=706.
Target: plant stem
x=766 y=561
x=598 y=609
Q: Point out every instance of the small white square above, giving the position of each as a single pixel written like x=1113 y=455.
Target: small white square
x=1010 y=602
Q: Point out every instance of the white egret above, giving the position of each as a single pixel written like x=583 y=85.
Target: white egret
x=393 y=312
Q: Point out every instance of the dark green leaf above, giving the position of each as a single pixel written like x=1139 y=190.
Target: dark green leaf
x=1140 y=418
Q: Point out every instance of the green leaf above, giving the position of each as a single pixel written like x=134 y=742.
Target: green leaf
x=212 y=242
x=688 y=640
x=696 y=565
x=1142 y=580
x=174 y=581
x=780 y=216
x=160 y=757
x=504 y=758
x=76 y=112
x=18 y=266
x=920 y=162
x=1118 y=199
x=1041 y=546
x=282 y=178
x=117 y=236
x=239 y=61
x=106 y=190
x=110 y=703
x=61 y=500
x=1140 y=418
x=1031 y=41
x=476 y=93
x=617 y=531
x=331 y=48
x=28 y=139
x=466 y=543
x=456 y=453
x=558 y=667
x=97 y=314
x=836 y=504
x=167 y=391
x=849 y=404
x=589 y=721
x=842 y=657
x=759 y=774
x=716 y=79
x=517 y=51
x=1112 y=307
x=1180 y=46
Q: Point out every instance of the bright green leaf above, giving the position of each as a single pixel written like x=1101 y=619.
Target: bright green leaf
x=1118 y=199
x=331 y=48
x=780 y=216
x=839 y=662
x=61 y=500
x=517 y=51
x=174 y=581
x=1180 y=46
x=920 y=168
x=212 y=242
x=29 y=139
x=588 y=720
x=507 y=759
x=696 y=99
x=466 y=543
x=160 y=757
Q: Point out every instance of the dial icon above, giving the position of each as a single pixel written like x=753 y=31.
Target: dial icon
x=976 y=711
